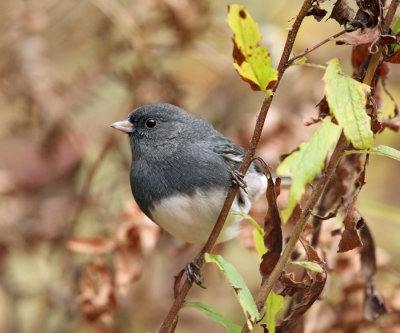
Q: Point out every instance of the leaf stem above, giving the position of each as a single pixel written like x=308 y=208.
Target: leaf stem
x=313 y=48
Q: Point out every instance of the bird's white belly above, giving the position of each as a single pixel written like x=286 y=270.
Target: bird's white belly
x=191 y=218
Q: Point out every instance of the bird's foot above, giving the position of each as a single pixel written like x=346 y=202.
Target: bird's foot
x=238 y=178
x=194 y=274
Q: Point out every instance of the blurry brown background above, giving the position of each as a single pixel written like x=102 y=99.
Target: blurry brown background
x=68 y=69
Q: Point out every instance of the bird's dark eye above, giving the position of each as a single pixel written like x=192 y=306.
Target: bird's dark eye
x=150 y=123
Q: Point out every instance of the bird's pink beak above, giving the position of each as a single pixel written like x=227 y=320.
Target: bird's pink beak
x=123 y=125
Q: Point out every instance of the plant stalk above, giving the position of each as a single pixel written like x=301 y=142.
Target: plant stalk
x=169 y=321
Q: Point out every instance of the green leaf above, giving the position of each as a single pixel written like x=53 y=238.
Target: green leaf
x=346 y=99
x=304 y=164
x=312 y=266
x=274 y=305
x=386 y=151
x=215 y=315
x=379 y=150
x=396 y=27
x=300 y=61
x=251 y=60
x=242 y=292
x=259 y=243
x=258 y=234
x=249 y=218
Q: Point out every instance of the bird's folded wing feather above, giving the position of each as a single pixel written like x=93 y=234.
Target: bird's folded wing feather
x=231 y=152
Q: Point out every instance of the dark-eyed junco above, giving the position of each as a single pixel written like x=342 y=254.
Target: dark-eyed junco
x=182 y=169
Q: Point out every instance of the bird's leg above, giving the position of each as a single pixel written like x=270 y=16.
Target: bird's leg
x=238 y=178
x=194 y=274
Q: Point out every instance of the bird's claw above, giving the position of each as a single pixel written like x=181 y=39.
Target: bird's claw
x=238 y=178
x=194 y=274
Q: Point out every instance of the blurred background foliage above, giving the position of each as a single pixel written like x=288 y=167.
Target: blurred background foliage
x=68 y=69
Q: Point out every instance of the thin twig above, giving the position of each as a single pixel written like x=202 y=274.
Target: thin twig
x=283 y=64
x=313 y=48
x=308 y=64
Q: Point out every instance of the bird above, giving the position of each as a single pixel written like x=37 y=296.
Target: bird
x=182 y=169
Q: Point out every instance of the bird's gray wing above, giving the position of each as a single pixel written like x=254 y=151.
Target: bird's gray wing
x=234 y=154
x=229 y=151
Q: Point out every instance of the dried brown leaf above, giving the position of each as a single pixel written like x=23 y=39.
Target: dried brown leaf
x=366 y=37
x=371 y=10
x=128 y=257
x=90 y=245
x=312 y=254
x=394 y=58
x=312 y=287
x=359 y=55
x=345 y=174
x=317 y=12
x=342 y=12
x=353 y=220
x=350 y=238
x=136 y=222
x=391 y=123
x=128 y=264
x=374 y=305
x=288 y=286
x=272 y=229
x=97 y=297
x=366 y=16
x=323 y=108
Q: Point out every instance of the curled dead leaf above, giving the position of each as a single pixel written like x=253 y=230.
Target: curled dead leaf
x=365 y=37
x=391 y=123
x=374 y=304
x=97 y=298
x=137 y=235
x=90 y=245
x=394 y=58
x=307 y=291
x=272 y=229
x=287 y=284
x=342 y=12
x=350 y=238
x=136 y=222
x=317 y=12
x=128 y=264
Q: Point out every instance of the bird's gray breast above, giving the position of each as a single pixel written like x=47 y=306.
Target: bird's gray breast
x=163 y=174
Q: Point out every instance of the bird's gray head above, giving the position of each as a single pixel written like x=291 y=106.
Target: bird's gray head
x=163 y=126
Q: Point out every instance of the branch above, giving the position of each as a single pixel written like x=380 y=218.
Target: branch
x=170 y=319
x=341 y=145
x=313 y=48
